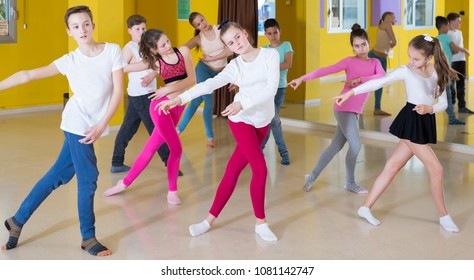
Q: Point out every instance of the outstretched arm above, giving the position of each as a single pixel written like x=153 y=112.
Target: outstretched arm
x=25 y=76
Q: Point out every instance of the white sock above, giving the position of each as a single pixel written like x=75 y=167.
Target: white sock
x=448 y=224
x=198 y=229
x=365 y=213
x=265 y=233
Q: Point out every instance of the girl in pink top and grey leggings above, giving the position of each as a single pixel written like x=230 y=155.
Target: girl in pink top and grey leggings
x=359 y=69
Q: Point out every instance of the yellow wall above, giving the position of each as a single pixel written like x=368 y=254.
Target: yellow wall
x=43 y=41
x=314 y=46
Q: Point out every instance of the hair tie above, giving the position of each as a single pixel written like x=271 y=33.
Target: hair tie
x=222 y=24
x=428 y=38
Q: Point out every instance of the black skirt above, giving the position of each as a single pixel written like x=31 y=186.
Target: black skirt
x=410 y=125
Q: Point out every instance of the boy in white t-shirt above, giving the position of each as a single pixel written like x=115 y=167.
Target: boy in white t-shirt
x=138 y=109
x=458 y=88
x=95 y=74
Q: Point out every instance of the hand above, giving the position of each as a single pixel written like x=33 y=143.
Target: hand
x=165 y=106
x=295 y=83
x=207 y=58
x=233 y=88
x=340 y=99
x=423 y=109
x=148 y=79
x=354 y=82
x=467 y=52
x=232 y=109
x=158 y=93
x=92 y=134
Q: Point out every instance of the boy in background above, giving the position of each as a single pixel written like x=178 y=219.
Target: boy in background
x=449 y=47
x=272 y=32
x=458 y=62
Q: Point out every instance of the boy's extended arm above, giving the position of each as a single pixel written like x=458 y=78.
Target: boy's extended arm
x=26 y=76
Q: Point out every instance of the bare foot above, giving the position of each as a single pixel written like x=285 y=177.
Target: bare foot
x=380 y=112
x=104 y=253
x=210 y=143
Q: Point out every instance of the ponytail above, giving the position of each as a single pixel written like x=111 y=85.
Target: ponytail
x=445 y=73
x=147 y=42
x=431 y=47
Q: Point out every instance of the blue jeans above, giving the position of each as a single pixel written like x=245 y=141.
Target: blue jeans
x=450 y=108
x=74 y=158
x=203 y=72
x=138 y=110
x=275 y=124
x=378 y=93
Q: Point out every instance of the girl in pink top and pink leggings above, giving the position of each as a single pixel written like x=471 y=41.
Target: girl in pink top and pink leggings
x=359 y=69
x=175 y=67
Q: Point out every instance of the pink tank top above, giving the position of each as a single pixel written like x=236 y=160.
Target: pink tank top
x=173 y=72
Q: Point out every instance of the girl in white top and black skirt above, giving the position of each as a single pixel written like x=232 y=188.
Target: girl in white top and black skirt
x=415 y=125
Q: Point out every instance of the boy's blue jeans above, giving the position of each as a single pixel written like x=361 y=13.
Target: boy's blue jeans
x=74 y=158
x=275 y=124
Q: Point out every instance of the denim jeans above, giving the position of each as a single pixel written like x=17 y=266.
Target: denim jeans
x=137 y=111
x=378 y=93
x=275 y=124
x=203 y=72
x=450 y=108
x=74 y=158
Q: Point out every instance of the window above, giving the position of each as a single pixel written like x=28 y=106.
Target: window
x=342 y=14
x=419 y=14
x=266 y=10
x=7 y=21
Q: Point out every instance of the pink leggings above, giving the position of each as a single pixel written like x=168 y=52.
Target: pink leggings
x=246 y=152
x=165 y=131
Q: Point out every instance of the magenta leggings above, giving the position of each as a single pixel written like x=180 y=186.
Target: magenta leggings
x=246 y=152
x=164 y=131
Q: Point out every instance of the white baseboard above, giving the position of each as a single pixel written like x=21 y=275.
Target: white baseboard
x=31 y=109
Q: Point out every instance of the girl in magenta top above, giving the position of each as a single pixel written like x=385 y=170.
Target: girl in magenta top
x=359 y=69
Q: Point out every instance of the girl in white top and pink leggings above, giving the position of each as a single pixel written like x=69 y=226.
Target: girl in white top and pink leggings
x=256 y=71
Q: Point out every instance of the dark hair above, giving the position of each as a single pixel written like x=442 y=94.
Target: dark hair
x=225 y=28
x=135 y=20
x=440 y=22
x=77 y=10
x=358 y=32
x=384 y=15
x=191 y=18
x=148 y=42
x=431 y=47
x=453 y=16
x=271 y=22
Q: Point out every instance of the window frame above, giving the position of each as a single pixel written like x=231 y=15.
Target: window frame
x=414 y=26
x=11 y=12
x=330 y=29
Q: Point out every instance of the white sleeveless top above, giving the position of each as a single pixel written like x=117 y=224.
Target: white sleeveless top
x=213 y=47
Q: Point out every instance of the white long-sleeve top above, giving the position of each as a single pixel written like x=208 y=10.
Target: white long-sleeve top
x=257 y=82
x=419 y=90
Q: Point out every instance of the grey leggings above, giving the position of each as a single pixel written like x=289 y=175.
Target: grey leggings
x=347 y=129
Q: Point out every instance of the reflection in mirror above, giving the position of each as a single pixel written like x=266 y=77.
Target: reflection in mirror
x=7 y=21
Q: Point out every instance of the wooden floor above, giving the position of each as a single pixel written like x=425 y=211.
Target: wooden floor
x=319 y=225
